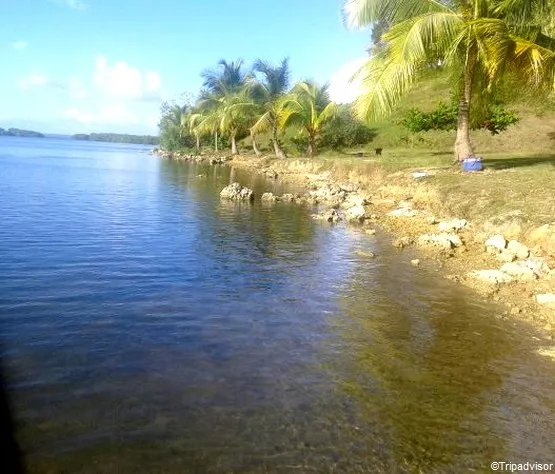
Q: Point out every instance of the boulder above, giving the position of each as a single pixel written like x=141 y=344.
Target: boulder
x=237 y=192
x=519 y=250
x=268 y=197
x=491 y=276
x=353 y=200
x=546 y=299
x=356 y=213
x=329 y=215
x=496 y=244
x=348 y=187
x=454 y=225
x=403 y=242
x=405 y=204
x=288 y=197
x=443 y=240
x=519 y=270
x=415 y=262
x=538 y=266
x=505 y=256
x=370 y=231
x=543 y=238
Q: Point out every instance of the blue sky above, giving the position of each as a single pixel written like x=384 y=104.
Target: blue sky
x=78 y=66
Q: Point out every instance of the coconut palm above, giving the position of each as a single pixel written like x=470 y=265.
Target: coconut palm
x=477 y=40
x=270 y=93
x=228 y=78
x=309 y=108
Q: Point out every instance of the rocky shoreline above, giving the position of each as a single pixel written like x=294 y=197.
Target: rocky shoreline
x=506 y=271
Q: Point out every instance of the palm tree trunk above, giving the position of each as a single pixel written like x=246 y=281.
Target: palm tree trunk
x=234 y=150
x=255 y=146
x=311 y=146
x=198 y=143
x=463 y=145
x=277 y=148
x=216 y=142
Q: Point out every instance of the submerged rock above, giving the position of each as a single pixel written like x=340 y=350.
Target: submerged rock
x=237 y=192
x=329 y=215
x=402 y=242
x=269 y=197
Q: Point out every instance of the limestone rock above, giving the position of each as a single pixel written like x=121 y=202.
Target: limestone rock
x=329 y=215
x=505 y=256
x=544 y=238
x=288 y=197
x=348 y=187
x=519 y=270
x=491 y=276
x=403 y=242
x=454 y=225
x=353 y=200
x=237 y=192
x=268 y=197
x=405 y=204
x=370 y=231
x=355 y=213
x=443 y=240
x=546 y=299
x=415 y=262
x=496 y=243
x=518 y=249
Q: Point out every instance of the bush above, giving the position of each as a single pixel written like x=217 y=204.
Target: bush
x=345 y=132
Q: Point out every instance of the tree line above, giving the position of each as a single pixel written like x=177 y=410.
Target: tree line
x=260 y=103
x=17 y=132
x=117 y=138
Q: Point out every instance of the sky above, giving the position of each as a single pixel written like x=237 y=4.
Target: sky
x=83 y=66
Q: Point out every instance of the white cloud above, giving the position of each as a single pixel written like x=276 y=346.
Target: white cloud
x=75 y=88
x=25 y=83
x=342 y=90
x=19 y=45
x=123 y=81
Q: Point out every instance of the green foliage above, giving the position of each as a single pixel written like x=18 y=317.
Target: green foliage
x=17 y=132
x=117 y=138
x=496 y=118
x=173 y=136
x=345 y=131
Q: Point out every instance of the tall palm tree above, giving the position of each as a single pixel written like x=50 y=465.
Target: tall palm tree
x=271 y=92
x=477 y=40
x=229 y=77
x=309 y=108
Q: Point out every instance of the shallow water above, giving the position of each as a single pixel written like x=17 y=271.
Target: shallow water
x=149 y=327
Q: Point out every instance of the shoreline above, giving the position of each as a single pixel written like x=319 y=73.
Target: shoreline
x=447 y=244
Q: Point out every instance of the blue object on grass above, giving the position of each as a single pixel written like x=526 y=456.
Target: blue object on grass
x=472 y=164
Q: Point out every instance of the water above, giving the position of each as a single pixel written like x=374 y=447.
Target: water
x=149 y=327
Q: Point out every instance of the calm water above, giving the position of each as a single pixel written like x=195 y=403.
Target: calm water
x=149 y=327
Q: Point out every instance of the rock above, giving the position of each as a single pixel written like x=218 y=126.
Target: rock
x=355 y=213
x=366 y=254
x=370 y=231
x=405 y=204
x=519 y=270
x=538 y=266
x=544 y=239
x=403 y=242
x=374 y=216
x=403 y=212
x=491 y=276
x=515 y=310
x=454 y=225
x=237 y=192
x=415 y=262
x=271 y=174
x=353 y=200
x=329 y=215
x=518 y=249
x=505 y=256
x=496 y=242
x=348 y=187
x=431 y=220
x=546 y=299
x=288 y=197
x=268 y=197
x=443 y=240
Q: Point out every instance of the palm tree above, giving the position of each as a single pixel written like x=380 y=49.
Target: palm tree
x=477 y=40
x=270 y=92
x=230 y=77
x=309 y=108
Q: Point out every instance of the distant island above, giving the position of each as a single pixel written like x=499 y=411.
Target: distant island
x=117 y=138
x=17 y=132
